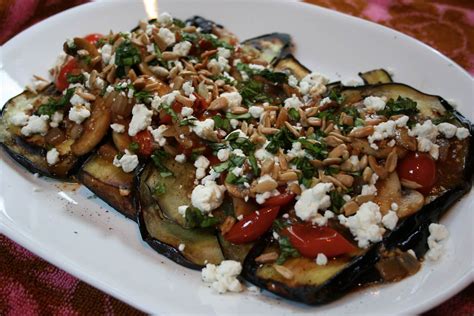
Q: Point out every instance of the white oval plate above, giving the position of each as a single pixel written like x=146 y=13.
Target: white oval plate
x=86 y=238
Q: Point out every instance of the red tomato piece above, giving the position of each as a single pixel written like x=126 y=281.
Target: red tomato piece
x=311 y=240
x=252 y=226
x=420 y=168
x=69 y=67
x=166 y=118
x=280 y=200
x=93 y=38
x=145 y=141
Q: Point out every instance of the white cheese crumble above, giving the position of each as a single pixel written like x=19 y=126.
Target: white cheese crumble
x=365 y=224
x=52 y=156
x=56 y=119
x=106 y=52
x=182 y=210
x=207 y=197
x=438 y=233
x=296 y=150
x=293 y=102
x=312 y=200
x=292 y=81
x=321 y=259
x=374 y=104
x=181 y=247
x=158 y=134
x=36 y=125
x=447 y=129
x=233 y=99
x=201 y=164
x=167 y=36
x=223 y=154
x=314 y=83
x=182 y=48
x=117 y=128
x=260 y=198
x=188 y=88
x=462 y=133
x=426 y=134
x=256 y=111
x=223 y=52
x=78 y=114
x=223 y=278
x=165 y=18
x=390 y=220
x=220 y=63
x=205 y=129
x=186 y=112
x=19 y=119
x=180 y=158
x=141 y=119
x=128 y=162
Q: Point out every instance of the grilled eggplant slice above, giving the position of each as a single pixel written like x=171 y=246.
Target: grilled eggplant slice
x=376 y=76
x=31 y=152
x=290 y=65
x=108 y=182
x=313 y=284
x=269 y=48
x=158 y=219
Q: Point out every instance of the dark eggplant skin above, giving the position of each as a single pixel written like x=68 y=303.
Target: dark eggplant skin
x=376 y=76
x=32 y=157
x=411 y=233
x=282 y=39
x=205 y=24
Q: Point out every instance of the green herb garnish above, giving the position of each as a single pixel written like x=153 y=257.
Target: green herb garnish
x=402 y=105
x=195 y=219
x=286 y=250
x=127 y=54
x=158 y=158
x=54 y=105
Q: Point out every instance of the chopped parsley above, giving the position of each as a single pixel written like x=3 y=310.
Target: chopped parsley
x=399 y=106
x=159 y=189
x=222 y=123
x=294 y=114
x=158 y=158
x=337 y=201
x=252 y=91
x=195 y=219
x=317 y=150
x=282 y=139
x=54 y=105
x=127 y=54
x=336 y=96
x=142 y=96
x=134 y=147
x=286 y=250
x=75 y=78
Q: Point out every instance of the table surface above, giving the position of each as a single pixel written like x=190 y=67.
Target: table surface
x=29 y=285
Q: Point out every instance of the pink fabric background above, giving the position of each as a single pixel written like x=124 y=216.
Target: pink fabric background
x=31 y=286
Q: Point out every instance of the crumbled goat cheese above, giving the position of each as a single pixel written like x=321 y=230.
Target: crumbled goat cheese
x=390 y=220
x=167 y=99
x=223 y=52
x=79 y=113
x=293 y=102
x=128 y=162
x=369 y=189
x=158 y=134
x=167 y=36
x=78 y=100
x=106 y=52
x=220 y=64
x=56 y=119
x=165 y=19
x=462 y=133
x=234 y=123
x=292 y=81
x=223 y=278
x=394 y=206
x=314 y=83
x=212 y=176
x=117 y=128
x=52 y=156
x=426 y=134
x=182 y=210
x=237 y=171
x=256 y=111
x=201 y=164
x=188 y=88
x=180 y=158
x=260 y=198
x=438 y=233
x=374 y=104
x=207 y=197
x=321 y=259
x=296 y=150
x=36 y=125
x=325 y=101
x=233 y=99
x=141 y=119
x=365 y=224
x=186 y=112
x=181 y=247
x=205 y=129
x=447 y=129
x=19 y=119
x=182 y=48
x=312 y=200
x=223 y=154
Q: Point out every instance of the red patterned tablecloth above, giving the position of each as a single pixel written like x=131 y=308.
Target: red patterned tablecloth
x=31 y=286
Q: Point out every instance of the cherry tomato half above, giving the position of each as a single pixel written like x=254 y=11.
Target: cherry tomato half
x=145 y=141
x=93 y=38
x=280 y=200
x=69 y=67
x=252 y=226
x=310 y=240
x=419 y=168
x=166 y=118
